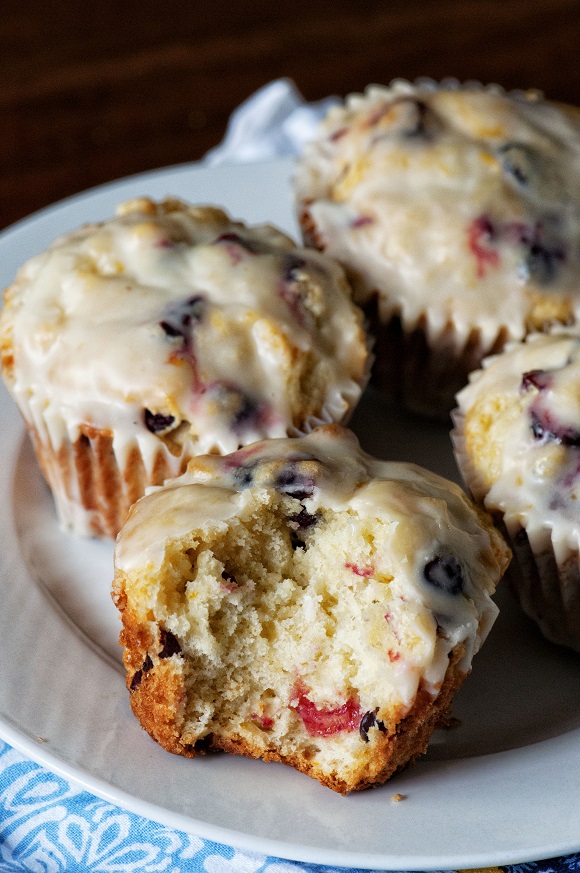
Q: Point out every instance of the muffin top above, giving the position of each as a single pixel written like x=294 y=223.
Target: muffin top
x=440 y=556
x=446 y=200
x=518 y=438
x=173 y=321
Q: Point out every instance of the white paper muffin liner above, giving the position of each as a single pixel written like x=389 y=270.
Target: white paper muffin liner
x=423 y=368
x=96 y=475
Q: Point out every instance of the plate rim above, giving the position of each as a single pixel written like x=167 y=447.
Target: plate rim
x=23 y=742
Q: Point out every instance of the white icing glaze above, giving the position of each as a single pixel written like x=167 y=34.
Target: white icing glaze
x=532 y=434
x=449 y=202
x=426 y=525
x=230 y=331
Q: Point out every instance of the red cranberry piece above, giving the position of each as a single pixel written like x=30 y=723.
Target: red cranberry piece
x=338 y=134
x=250 y=246
x=364 y=572
x=327 y=722
x=444 y=572
x=539 y=379
x=362 y=221
x=480 y=232
x=156 y=422
x=169 y=644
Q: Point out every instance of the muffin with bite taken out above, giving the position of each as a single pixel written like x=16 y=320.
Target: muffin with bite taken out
x=302 y=602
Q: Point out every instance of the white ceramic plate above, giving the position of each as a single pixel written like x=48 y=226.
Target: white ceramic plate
x=501 y=788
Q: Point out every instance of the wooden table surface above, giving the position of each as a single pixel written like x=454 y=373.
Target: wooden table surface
x=90 y=92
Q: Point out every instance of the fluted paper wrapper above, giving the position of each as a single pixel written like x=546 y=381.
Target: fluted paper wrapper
x=95 y=476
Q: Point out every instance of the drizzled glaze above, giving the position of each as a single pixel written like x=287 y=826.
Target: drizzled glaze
x=444 y=559
x=518 y=439
x=177 y=329
x=450 y=201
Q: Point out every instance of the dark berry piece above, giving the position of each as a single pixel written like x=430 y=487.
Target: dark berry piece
x=156 y=422
x=147 y=664
x=302 y=520
x=295 y=484
x=296 y=542
x=368 y=721
x=293 y=287
x=136 y=680
x=203 y=745
x=247 y=415
x=292 y=267
x=179 y=316
x=244 y=475
x=538 y=429
x=227 y=577
x=444 y=572
x=546 y=429
x=169 y=644
x=416 y=123
x=516 y=162
x=543 y=262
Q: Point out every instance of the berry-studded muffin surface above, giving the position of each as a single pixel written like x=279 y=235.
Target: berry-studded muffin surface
x=520 y=432
x=447 y=201
x=172 y=330
x=517 y=441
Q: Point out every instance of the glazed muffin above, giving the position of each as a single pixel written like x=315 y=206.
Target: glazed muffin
x=517 y=441
x=169 y=331
x=456 y=211
x=302 y=602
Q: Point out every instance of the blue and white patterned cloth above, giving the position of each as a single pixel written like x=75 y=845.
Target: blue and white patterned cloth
x=49 y=826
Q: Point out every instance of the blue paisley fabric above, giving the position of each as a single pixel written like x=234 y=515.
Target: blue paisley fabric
x=48 y=825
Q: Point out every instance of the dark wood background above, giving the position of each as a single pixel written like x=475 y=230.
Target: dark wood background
x=90 y=92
